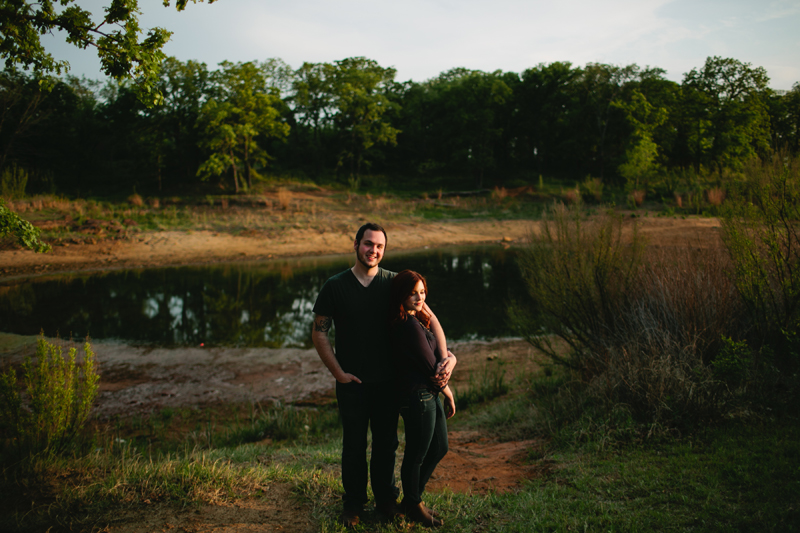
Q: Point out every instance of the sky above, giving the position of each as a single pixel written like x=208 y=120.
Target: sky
x=423 y=38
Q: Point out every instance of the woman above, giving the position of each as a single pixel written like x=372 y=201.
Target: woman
x=416 y=356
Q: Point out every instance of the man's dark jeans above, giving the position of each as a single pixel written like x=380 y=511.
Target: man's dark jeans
x=426 y=441
x=363 y=406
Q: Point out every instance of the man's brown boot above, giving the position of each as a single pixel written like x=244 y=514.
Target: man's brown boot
x=417 y=512
x=350 y=518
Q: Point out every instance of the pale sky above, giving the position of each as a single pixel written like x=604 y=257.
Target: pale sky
x=423 y=38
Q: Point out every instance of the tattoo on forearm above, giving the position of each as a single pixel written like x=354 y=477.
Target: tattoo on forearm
x=323 y=324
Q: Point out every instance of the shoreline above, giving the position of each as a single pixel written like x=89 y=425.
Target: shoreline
x=182 y=248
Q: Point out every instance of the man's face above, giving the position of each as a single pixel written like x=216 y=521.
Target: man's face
x=369 y=251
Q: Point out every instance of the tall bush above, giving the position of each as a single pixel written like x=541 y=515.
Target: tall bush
x=578 y=272
x=641 y=328
x=58 y=392
x=762 y=235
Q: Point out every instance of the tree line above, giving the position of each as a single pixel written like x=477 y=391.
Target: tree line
x=351 y=122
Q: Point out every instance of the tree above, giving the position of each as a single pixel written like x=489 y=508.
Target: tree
x=642 y=151
x=784 y=111
x=359 y=96
x=725 y=112
x=601 y=86
x=547 y=98
x=172 y=131
x=21 y=98
x=241 y=111
x=473 y=105
x=116 y=37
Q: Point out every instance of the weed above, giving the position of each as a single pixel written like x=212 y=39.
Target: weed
x=60 y=392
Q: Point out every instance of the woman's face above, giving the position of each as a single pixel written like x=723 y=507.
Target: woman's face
x=414 y=302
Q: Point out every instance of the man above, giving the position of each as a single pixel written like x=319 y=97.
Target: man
x=356 y=301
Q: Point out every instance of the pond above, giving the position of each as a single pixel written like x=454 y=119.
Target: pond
x=250 y=304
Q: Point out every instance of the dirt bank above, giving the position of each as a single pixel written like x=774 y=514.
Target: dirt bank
x=166 y=248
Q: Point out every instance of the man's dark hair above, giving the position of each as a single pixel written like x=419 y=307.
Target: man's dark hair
x=372 y=227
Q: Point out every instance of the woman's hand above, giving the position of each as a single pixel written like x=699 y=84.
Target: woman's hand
x=449 y=403
x=444 y=370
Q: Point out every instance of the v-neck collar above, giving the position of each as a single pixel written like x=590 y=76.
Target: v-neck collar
x=359 y=281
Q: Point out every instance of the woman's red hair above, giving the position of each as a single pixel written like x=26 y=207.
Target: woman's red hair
x=402 y=286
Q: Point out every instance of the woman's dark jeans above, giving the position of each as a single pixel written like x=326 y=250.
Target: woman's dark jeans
x=365 y=406
x=426 y=441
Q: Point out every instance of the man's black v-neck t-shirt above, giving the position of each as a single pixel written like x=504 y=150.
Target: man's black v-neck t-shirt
x=360 y=315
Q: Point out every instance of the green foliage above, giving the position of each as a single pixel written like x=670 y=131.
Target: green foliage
x=725 y=107
x=116 y=37
x=237 y=120
x=58 y=396
x=642 y=153
x=732 y=363
x=23 y=231
x=358 y=93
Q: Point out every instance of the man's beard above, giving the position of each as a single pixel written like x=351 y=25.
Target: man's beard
x=363 y=260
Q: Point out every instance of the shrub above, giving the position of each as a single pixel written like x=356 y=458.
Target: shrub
x=136 y=200
x=23 y=232
x=592 y=188
x=56 y=401
x=762 y=236
x=12 y=182
x=578 y=274
x=642 y=329
x=572 y=196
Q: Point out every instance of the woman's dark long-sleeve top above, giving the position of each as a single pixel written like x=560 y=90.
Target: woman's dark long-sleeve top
x=415 y=355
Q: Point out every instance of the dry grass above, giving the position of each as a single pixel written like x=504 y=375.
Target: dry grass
x=285 y=199
x=715 y=196
x=499 y=194
x=572 y=197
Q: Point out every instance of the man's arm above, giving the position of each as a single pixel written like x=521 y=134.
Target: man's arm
x=319 y=336
x=446 y=366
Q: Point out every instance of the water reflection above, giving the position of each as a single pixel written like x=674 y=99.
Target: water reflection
x=249 y=304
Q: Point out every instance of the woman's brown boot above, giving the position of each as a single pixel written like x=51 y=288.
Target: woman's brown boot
x=417 y=512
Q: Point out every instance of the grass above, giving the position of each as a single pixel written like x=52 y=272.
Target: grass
x=735 y=476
